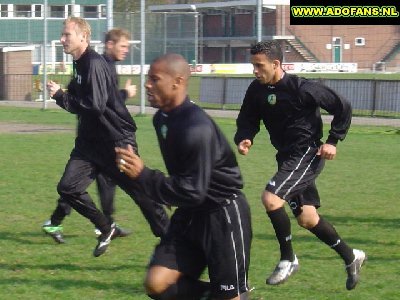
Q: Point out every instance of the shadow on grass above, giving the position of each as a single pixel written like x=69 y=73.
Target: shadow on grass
x=312 y=242
x=29 y=238
x=370 y=220
x=313 y=239
x=66 y=284
x=68 y=267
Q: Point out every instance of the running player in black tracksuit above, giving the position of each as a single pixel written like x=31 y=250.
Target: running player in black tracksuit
x=289 y=107
x=103 y=123
x=116 y=44
x=211 y=226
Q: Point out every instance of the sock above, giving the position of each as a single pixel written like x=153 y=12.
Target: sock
x=281 y=223
x=327 y=233
x=185 y=288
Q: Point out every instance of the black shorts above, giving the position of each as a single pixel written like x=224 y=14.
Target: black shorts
x=295 y=180
x=219 y=239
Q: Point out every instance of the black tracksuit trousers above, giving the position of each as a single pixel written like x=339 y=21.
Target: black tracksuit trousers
x=86 y=161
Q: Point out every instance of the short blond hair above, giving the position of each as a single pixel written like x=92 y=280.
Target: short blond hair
x=116 y=34
x=82 y=26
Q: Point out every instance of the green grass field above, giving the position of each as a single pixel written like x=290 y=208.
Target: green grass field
x=359 y=190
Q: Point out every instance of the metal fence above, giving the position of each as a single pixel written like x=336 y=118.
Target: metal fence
x=368 y=97
x=158 y=40
x=372 y=98
x=184 y=39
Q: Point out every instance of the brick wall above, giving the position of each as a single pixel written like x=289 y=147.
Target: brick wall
x=16 y=75
x=379 y=40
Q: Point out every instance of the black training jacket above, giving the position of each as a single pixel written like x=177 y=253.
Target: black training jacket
x=123 y=94
x=290 y=111
x=94 y=96
x=201 y=164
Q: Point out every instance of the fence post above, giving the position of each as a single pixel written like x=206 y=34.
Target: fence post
x=44 y=53
x=224 y=84
x=375 y=96
x=142 y=56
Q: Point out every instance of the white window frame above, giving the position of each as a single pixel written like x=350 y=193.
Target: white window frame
x=100 y=9
x=76 y=12
x=15 y=11
x=9 y=11
x=67 y=7
x=359 y=41
x=34 y=11
x=335 y=39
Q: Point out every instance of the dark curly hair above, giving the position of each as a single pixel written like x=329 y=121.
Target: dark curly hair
x=271 y=49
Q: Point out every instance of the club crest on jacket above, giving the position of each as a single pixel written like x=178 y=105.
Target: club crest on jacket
x=164 y=130
x=271 y=99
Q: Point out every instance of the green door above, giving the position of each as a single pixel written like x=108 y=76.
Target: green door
x=337 y=54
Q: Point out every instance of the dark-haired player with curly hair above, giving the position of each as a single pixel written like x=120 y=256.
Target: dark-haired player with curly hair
x=211 y=225
x=289 y=107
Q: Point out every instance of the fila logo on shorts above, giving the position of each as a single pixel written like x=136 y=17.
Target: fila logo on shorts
x=227 y=287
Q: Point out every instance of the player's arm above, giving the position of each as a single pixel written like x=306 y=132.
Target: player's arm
x=55 y=92
x=95 y=91
x=247 y=123
x=327 y=151
x=244 y=146
x=128 y=91
x=129 y=162
x=335 y=105
x=188 y=186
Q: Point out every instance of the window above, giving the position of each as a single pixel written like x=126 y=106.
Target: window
x=90 y=11
x=57 y=11
x=4 y=11
x=359 y=41
x=72 y=10
x=214 y=12
x=69 y=10
x=59 y=53
x=22 y=11
x=337 y=41
x=241 y=11
x=103 y=11
x=37 y=10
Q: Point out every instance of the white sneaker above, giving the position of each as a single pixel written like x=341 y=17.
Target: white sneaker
x=283 y=270
x=104 y=241
x=353 y=270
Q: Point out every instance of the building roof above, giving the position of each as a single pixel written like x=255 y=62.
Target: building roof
x=13 y=49
x=245 y=4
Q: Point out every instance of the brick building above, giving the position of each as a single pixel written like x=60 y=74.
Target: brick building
x=226 y=29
